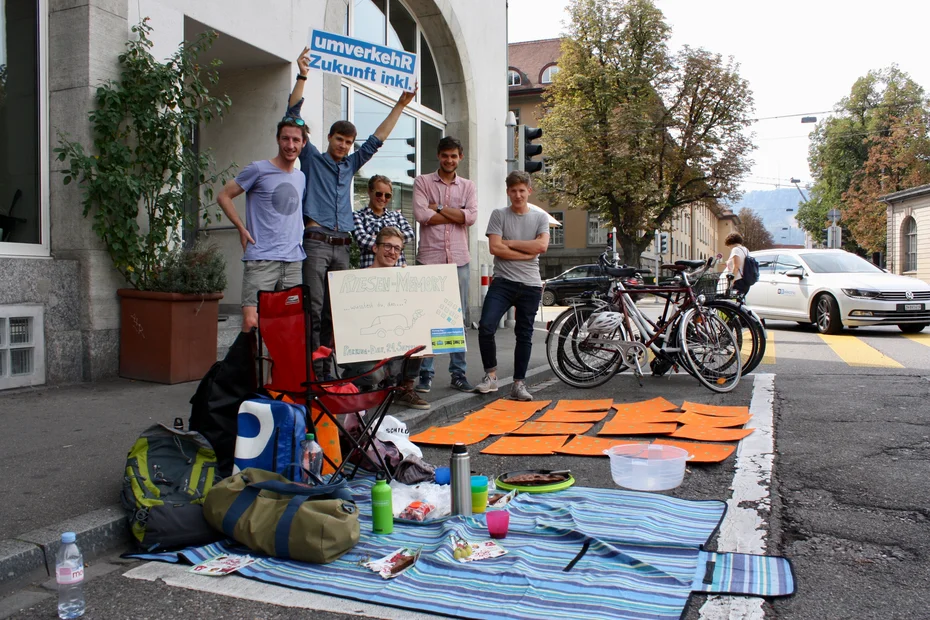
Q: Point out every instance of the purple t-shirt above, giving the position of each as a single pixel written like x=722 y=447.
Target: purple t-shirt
x=273 y=213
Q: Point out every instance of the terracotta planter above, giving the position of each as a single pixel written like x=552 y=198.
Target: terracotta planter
x=167 y=337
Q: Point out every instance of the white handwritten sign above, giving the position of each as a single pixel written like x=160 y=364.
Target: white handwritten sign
x=334 y=53
x=379 y=313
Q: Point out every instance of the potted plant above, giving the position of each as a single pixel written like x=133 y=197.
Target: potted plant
x=143 y=183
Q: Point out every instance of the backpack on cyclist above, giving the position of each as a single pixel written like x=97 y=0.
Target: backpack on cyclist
x=750 y=270
x=168 y=474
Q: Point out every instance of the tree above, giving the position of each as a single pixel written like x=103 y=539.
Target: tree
x=633 y=134
x=879 y=122
x=755 y=235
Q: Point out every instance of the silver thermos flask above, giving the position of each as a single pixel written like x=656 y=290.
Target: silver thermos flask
x=461 y=480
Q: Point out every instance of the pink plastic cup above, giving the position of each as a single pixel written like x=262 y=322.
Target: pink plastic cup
x=498 y=522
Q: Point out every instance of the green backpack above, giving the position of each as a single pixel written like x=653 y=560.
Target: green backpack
x=168 y=474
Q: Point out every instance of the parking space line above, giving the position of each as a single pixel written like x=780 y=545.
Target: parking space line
x=744 y=528
x=923 y=339
x=855 y=352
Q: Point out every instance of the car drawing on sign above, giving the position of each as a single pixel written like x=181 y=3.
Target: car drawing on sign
x=832 y=289
x=381 y=325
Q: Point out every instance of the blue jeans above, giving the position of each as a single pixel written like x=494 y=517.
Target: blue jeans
x=503 y=295
x=457 y=365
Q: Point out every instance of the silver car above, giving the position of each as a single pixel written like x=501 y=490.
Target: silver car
x=833 y=289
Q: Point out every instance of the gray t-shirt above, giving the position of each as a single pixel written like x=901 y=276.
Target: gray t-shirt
x=273 y=214
x=518 y=227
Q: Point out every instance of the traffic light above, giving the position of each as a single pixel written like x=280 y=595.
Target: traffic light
x=610 y=239
x=663 y=243
x=530 y=150
x=412 y=158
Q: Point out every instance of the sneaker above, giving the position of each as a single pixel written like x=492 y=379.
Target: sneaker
x=519 y=392
x=462 y=385
x=488 y=384
x=409 y=398
x=424 y=385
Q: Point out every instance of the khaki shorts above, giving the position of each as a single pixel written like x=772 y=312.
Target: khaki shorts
x=267 y=275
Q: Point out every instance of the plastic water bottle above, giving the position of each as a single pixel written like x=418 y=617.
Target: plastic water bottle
x=311 y=460
x=69 y=572
x=382 y=509
x=461 y=480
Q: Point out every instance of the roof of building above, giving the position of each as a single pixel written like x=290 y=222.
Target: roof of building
x=904 y=194
x=529 y=58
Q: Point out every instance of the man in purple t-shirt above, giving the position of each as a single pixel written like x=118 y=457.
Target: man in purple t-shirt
x=272 y=236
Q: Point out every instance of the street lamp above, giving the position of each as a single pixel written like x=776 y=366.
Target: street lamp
x=795 y=182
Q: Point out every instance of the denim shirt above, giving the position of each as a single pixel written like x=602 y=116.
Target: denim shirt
x=328 y=200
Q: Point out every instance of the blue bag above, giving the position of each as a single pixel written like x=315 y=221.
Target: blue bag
x=269 y=436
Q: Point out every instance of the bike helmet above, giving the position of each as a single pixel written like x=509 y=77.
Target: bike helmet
x=604 y=322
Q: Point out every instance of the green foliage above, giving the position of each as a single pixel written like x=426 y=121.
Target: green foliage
x=143 y=157
x=198 y=270
x=875 y=144
x=634 y=134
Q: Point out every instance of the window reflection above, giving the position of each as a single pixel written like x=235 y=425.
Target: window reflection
x=403 y=31
x=429 y=140
x=430 y=94
x=391 y=159
x=369 y=20
x=20 y=215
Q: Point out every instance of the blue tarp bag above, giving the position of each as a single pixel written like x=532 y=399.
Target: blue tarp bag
x=269 y=436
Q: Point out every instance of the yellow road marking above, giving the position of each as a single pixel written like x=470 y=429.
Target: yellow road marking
x=923 y=339
x=855 y=352
x=769 y=357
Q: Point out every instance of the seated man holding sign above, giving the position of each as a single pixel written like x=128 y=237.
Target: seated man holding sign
x=388 y=248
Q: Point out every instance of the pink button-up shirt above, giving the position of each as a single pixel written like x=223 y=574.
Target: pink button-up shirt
x=443 y=243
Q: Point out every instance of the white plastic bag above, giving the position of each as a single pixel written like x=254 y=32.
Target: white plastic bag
x=396 y=432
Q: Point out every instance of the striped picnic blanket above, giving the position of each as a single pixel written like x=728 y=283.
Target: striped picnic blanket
x=580 y=553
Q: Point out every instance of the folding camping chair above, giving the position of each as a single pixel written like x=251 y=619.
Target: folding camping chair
x=284 y=324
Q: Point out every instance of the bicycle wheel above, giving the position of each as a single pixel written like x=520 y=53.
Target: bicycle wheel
x=710 y=349
x=573 y=359
x=750 y=335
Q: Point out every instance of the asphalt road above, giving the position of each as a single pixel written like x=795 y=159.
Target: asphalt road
x=849 y=505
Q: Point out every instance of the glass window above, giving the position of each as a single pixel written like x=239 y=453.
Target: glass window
x=403 y=30
x=391 y=160
x=910 y=245
x=557 y=233
x=767 y=263
x=549 y=73
x=838 y=262
x=513 y=78
x=575 y=274
x=430 y=92
x=786 y=262
x=344 y=103
x=597 y=234
x=20 y=173
x=369 y=20
x=429 y=140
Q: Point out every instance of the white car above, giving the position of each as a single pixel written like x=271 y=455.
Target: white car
x=833 y=289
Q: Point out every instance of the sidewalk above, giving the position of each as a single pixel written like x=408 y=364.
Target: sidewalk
x=63 y=450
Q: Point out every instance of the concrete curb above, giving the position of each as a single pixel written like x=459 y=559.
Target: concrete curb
x=32 y=555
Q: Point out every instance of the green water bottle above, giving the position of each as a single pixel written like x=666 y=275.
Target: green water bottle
x=382 y=512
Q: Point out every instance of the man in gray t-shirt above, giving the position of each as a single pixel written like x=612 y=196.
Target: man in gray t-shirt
x=272 y=236
x=517 y=235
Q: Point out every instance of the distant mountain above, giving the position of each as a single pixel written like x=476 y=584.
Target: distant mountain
x=772 y=206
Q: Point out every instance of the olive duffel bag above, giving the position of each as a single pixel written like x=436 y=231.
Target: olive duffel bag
x=267 y=512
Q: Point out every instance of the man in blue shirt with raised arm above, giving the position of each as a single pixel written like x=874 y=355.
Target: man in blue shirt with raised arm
x=327 y=208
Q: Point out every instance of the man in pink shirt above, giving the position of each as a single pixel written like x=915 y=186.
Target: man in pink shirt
x=445 y=206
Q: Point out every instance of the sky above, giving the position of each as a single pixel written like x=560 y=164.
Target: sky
x=800 y=58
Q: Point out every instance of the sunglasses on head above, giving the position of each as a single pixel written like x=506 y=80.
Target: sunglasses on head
x=385 y=195
x=291 y=119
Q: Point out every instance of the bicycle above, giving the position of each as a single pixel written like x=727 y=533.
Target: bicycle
x=596 y=338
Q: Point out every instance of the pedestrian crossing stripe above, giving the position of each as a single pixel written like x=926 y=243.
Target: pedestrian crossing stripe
x=769 y=357
x=923 y=339
x=855 y=352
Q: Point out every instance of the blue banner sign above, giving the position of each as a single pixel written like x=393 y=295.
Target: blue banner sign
x=334 y=53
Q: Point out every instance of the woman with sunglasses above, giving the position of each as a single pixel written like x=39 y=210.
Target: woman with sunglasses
x=370 y=220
